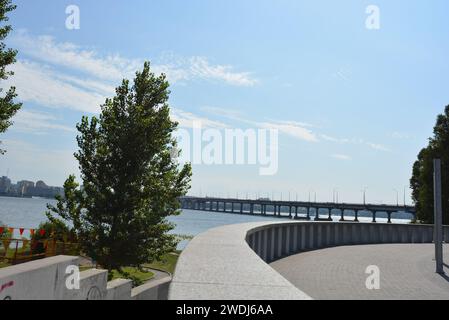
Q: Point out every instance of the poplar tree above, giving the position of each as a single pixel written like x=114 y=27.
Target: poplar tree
x=131 y=181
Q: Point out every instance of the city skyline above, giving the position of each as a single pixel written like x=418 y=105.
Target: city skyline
x=350 y=123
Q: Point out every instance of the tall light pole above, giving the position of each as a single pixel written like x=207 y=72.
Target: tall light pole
x=310 y=192
x=404 y=196
x=335 y=195
x=397 y=197
x=364 y=195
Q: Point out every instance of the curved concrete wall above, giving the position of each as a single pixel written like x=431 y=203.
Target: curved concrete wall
x=275 y=241
x=230 y=262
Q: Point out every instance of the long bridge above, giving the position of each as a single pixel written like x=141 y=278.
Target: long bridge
x=297 y=210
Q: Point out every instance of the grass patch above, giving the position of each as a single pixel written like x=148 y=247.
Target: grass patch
x=167 y=264
x=4 y=264
x=137 y=276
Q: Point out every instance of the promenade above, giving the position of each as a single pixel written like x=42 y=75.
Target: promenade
x=407 y=271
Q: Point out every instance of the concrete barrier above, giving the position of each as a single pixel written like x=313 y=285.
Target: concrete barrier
x=46 y=280
x=231 y=262
x=153 y=290
x=37 y=280
x=219 y=265
x=275 y=241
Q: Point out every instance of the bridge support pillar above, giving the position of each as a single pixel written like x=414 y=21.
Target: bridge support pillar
x=356 y=218
x=317 y=214
x=296 y=212
x=290 y=212
x=342 y=219
x=308 y=213
x=330 y=215
x=389 y=216
x=374 y=217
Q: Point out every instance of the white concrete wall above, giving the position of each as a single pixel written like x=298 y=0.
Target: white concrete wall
x=46 y=280
x=41 y=279
x=230 y=262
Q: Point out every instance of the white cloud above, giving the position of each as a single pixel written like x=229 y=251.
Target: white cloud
x=37 y=122
x=45 y=48
x=377 y=146
x=201 y=68
x=355 y=141
x=292 y=129
x=187 y=119
x=40 y=84
x=341 y=157
x=400 y=135
x=114 y=67
x=298 y=130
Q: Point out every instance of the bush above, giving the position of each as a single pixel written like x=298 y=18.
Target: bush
x=54 y=230
x=5 y=234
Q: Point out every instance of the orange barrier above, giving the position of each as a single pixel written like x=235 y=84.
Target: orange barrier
x=17 y=251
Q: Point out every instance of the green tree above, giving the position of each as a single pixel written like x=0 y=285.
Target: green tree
x=8 y=107
x=422 y=176
x=131 y=182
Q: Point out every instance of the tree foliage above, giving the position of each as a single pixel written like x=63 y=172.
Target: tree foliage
x=422 y=176
x=131 y=182
x=8 y=107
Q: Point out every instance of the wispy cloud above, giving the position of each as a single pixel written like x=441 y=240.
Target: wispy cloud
x=41 y=84
x=37 y=122
x=65 y=75
x=341 y=157
x=292 y=129
x=201 y=68
x=188 y=119
x=114 y=67
x=400 y=135
x=355 y=141
x=300 y=130
x=45 y=48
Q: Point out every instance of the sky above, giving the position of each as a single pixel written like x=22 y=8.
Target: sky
x=353 y=105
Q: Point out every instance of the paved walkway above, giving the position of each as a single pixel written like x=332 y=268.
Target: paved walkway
x=407 y=271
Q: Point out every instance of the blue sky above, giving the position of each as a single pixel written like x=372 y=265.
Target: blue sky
x=353 y=106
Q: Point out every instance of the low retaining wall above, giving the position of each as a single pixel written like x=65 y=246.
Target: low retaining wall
x=230 y=262
x=46 y=280
x=275 y=241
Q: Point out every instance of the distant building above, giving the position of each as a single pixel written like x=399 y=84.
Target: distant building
x=5 y=185
x=26 y=188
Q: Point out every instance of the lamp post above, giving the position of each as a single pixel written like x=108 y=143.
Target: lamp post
x=405 y=204
x=364 y=195
x=335 y=195
x=310 y=191
x=438 y=232
x=397 y=197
